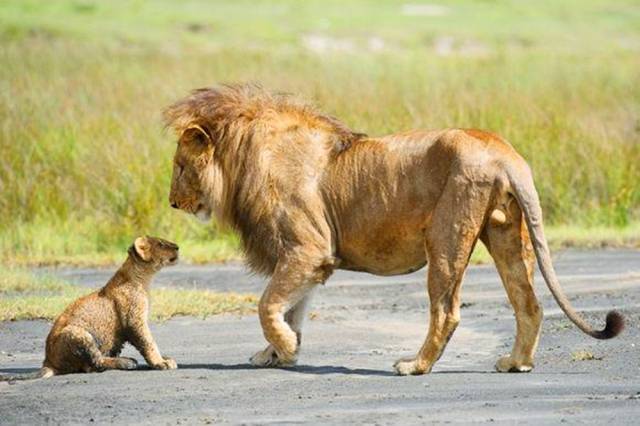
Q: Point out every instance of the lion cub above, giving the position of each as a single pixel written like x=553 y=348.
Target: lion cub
x=90 y=333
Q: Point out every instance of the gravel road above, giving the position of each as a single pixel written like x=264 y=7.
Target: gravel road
x=359 y=325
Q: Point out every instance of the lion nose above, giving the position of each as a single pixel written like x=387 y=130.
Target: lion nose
x=174 y=204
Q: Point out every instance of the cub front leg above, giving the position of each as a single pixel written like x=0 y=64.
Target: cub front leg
x=281 y=311
x=142 y=340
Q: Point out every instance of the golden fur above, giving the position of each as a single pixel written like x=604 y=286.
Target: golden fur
x=89 y=335
x=308 y=195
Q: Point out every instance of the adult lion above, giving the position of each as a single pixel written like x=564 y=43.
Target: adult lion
x=308 y=195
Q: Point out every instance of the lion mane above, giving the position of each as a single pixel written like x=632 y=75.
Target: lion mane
x=249 y=124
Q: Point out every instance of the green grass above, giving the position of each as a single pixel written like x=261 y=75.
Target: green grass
x=561 y=237
x=25 y=295
x=87 y=243
x=85 y=164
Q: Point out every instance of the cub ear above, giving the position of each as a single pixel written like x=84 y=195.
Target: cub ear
x=143 y=248
x=195 y=131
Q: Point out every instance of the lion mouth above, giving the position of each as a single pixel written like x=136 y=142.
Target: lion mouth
x=202 y=214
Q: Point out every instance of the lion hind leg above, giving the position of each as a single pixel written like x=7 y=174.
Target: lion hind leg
x=450 y=240
x=510 y=247
x=444 y=282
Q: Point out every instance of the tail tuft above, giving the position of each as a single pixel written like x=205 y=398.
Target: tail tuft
x=615 y=325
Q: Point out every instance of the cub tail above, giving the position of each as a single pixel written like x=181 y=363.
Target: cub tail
x=43 y=373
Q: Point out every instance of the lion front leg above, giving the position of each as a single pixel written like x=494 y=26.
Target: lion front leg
x=281 y=310
x=294 y=318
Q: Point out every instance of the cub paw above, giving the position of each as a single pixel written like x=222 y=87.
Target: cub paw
x=165 y=364
x=408 y=366
x=506 y=364
x=126 y=363
x=269 y=358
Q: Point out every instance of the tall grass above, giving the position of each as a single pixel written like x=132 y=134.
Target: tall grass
x=85 y=163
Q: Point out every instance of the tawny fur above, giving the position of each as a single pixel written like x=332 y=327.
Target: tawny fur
x=89 y=335
x=308 y=195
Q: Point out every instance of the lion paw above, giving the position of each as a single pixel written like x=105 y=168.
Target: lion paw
x=408 y=367
x=165 y=364
x=506 y=364
x=269 y=358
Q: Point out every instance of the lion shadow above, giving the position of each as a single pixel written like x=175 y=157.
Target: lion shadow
x=304 y=369
x=321 y=369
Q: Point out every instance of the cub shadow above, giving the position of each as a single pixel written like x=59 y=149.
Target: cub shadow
x=12 y=371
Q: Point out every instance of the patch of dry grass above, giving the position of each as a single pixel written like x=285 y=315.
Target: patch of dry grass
x=25 y=296
x=170 y=302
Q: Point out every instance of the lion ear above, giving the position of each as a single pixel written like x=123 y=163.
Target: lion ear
x=197 y=132
x=143 y=248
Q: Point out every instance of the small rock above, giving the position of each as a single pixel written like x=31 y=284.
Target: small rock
x=584 y=355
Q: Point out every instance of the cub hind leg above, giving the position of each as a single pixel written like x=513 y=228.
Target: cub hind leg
x=510 y=246
x=77 y=351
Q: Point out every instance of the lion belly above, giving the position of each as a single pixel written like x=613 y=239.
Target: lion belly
x=386 y=249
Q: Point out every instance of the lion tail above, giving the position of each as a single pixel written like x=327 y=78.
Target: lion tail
x=521 y=180
x=43 y=373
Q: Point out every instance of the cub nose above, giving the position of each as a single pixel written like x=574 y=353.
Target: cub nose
x=174 y=204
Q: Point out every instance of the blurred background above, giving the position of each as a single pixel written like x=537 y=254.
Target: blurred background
x=85 y=163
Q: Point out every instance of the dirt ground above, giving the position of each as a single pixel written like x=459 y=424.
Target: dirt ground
x=359 y=325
